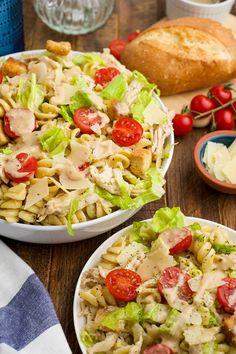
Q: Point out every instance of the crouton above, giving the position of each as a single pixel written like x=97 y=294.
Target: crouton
x=58 y=48
x=3 y=138
x=140 y=161
x=229 y=324
x=13 y=67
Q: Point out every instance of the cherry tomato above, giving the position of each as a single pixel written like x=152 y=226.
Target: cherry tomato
x=85 y=118
x=105 y=75
x=232 y=108
x=19 y=114
x=1 y=77
x=28 y=166
x=127 y=131
x=117 y=46
x=201 y=104
x=224 y=119
x=133 y=35
x=220 y=94
x=123 y=283
x=226 y=295
x=178 y=240
x=170 y=278
x=158 y=349
x=182 y=124
x=84 y=166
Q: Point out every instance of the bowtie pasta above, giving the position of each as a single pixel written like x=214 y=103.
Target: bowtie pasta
x=162 y=287
x=80 y=136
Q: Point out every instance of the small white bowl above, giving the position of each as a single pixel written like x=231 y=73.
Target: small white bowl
x=79 y=320
x=83 y=230
x=188 y=8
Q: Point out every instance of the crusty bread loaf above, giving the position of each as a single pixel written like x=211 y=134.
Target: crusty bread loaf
x=183 y=54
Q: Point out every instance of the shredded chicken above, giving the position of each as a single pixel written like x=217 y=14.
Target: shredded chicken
x=105 y=345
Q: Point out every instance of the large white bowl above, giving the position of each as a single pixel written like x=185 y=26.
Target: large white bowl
x=79 y=321
x=82 y=231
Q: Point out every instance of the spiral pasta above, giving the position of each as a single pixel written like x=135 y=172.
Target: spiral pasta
x=98 y=296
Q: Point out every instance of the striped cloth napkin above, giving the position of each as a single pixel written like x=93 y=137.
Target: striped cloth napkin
x=28 y=322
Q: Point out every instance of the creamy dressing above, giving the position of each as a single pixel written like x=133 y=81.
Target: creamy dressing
x=232 y=299
x=12 y=165
x=22 y=121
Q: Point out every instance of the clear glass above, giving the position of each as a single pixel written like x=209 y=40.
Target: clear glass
x=74 y=16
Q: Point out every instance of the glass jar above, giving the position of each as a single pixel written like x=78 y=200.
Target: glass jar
x=74 y=16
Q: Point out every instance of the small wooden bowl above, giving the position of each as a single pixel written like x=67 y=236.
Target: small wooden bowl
x=225 y=137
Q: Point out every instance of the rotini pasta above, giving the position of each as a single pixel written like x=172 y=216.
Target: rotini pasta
x=172 y=300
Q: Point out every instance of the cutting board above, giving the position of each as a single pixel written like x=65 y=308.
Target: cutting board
x=176 y=102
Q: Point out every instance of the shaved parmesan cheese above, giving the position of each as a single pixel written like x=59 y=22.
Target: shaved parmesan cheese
x=71 y=184
x=194 y=283
x=210 y=280
x=63 y=94
x=37 y=192
x=220 y=161
x=104 y=149
x=80 y=153
x=197 y=334
x=153 y=113
x=96 y=128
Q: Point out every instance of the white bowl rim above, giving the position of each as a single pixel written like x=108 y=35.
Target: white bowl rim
x=107 y=243
x=207 y=6
x=88 y=223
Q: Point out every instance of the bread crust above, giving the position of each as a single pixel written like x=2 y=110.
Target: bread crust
x=174 y=72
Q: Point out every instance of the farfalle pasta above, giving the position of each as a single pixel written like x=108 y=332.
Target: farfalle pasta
x=80 y=134
x=158 y=289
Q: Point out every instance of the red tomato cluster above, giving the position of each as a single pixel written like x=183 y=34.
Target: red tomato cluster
x=118 y=45
x=217 y=107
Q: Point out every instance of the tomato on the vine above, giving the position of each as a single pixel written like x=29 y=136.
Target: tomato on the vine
x=201 y=104
x=133 y=35
x=224 y=119
x=182 y=124
x=220 y=94
x=117 y=46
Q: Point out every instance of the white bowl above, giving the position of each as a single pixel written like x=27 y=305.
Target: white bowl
x=79 y=321
x=187 y=8
x=82 y=231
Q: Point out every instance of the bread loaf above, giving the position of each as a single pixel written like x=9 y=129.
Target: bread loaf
x=183 y=54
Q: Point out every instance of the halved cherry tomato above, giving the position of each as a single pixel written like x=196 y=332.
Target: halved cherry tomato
x=84 y=166
x=19 y=113
x=105 y=75
x=158 y=349
x=220 y=94
x=182 y=124
x=170 y=277
x=224 y=119
x=117 y=46
x=226 y=295
x=127 y=131
x=1 y=77
x=201 y=104
x=123 y=283
x=28 y=167
x=178 y=240
x=85 y=118
x=133 y=35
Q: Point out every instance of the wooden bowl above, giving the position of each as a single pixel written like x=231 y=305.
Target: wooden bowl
x=225 y=137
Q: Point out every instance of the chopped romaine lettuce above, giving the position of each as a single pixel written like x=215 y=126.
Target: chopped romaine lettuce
x=30 y=94
x=209 y=347
x=153 y=114
x=80 y=99
x=167 y=218
x=88 y=58
x=115 y=89
x=139 y=106
x=141 y=78
x=133 y=312
x=209 y=317
x=232 y=273
x=86 y=339
x=141 y=232
x=224 y=248
x=80 y=82
x=66 y=113
x=168 y=325
x=6 y=151
x=54 y=141
x=74 y=206
x=197 y=231
x=156 y=313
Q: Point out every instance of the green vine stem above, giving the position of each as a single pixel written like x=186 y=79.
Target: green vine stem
x=199 y=116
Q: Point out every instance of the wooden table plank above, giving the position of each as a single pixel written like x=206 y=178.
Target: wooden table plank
x=58 y=266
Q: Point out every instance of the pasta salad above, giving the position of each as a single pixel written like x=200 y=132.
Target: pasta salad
x=80 y=137
x=162 y=288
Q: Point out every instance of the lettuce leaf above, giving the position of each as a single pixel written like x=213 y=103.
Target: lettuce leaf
x=65 y=112
x=115 y=89
x=80 y=99
x=139 y=106
x=156 y=313
x=154 y=192
x=88 y=58
x=6 y=151
x=86 y=339
x=80 y=82
x=74 y=206
x=142 y=79
x=30 y=94
x=224 y=248
x=54 y=141
x=133 y=312
x=167 y=218
x=168 y=326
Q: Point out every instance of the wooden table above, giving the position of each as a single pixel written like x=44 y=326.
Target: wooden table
x=59 y=266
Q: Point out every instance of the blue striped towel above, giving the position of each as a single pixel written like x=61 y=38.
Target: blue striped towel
x=28 y=322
